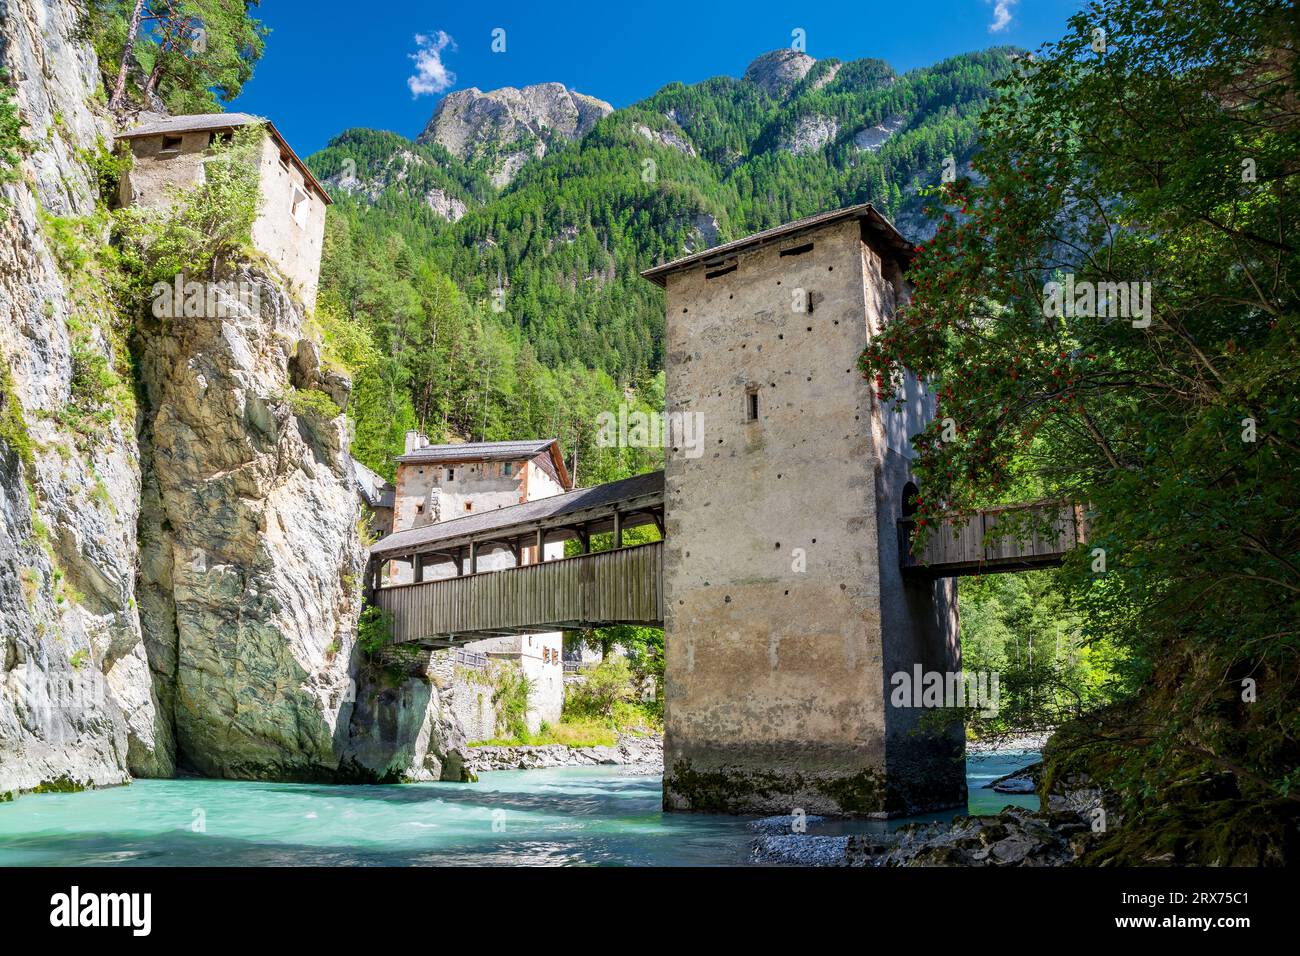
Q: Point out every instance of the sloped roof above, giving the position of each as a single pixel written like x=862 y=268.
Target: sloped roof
x=878 y=223
x=480 y=451
x=374 y=490
x=193 y=123
x=203 y=122
x=416 y=539
x=519 y=450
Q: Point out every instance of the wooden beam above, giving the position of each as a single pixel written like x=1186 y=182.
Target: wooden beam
x=541 y=545
x=618 y=528
x=473 y=557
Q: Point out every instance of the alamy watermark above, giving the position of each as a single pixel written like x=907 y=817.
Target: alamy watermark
x=192 y=299
x=946 y=689
x=1104 y=300
x=631 y=428
x=52 y=700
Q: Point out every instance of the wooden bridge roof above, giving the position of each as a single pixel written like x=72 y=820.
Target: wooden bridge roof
x=594 y=506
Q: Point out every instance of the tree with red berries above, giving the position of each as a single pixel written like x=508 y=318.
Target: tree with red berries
x=1108 y=313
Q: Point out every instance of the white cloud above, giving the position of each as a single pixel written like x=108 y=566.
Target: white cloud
x=1001 y=15
x=431 y=74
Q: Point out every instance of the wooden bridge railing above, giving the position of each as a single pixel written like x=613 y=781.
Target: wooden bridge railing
x=971 y=545
x=622 y=586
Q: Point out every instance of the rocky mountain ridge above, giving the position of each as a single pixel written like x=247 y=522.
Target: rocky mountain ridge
x=777 y=72
x=502 y=129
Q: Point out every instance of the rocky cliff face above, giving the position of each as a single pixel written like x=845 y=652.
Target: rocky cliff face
x=504 y=128
x=779 y=71
x=77 y=699
x=403 y=725
x=179 y=559
x=811 y=133
x=396 y=171
x=252 y=561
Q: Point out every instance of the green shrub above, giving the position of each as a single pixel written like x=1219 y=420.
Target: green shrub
x=12 y=145
x=13 y=423
x=510 y=696
x=310 y=402
x=603 y=686
x=107 y=165
x=374 y=629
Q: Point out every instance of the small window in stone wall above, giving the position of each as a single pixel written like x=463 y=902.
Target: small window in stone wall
x=171 y=144
x=451 y=474
x=751 y=405
x=419 y=508
x=300 y=207
x=469 y=506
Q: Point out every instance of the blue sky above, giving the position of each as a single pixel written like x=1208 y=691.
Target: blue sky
x=334 y=64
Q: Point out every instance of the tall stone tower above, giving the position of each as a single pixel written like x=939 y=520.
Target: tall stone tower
x=786 y=610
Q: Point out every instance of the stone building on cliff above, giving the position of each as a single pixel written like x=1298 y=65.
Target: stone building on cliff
x=171 y=154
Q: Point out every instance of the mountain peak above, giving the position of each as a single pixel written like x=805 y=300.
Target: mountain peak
x=473 y=125
x=779 y=70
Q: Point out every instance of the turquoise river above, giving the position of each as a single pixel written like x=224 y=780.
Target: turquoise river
x=567 y=816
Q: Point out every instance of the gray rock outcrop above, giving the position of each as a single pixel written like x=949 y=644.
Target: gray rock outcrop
x=666 y=137
x=871 y=138
x=811 y=133
x=179 y=560
x=249 y=531
x=779 y=71
x=506 y=127
x=396 y=171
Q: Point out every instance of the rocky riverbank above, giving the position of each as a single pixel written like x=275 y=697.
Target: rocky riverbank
x=1014 y=837
x=646 y=754
x=1072 y=823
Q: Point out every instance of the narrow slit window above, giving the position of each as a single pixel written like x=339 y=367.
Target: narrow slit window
x=469 y=506
x=797 y=250
x=299 y=208
x=451 y=474
x=751 y=405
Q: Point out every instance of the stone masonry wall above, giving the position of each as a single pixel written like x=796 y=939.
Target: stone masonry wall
x=775 y=617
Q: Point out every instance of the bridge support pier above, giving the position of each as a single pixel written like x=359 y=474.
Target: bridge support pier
x=786 y=615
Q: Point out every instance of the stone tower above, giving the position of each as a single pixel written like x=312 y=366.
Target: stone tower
x=786 y=610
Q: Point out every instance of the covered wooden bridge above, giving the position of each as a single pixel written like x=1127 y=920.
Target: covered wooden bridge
x=1009 y=538
x=451 y=601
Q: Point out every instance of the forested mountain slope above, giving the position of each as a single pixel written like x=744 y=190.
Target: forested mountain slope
x=494 y=312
